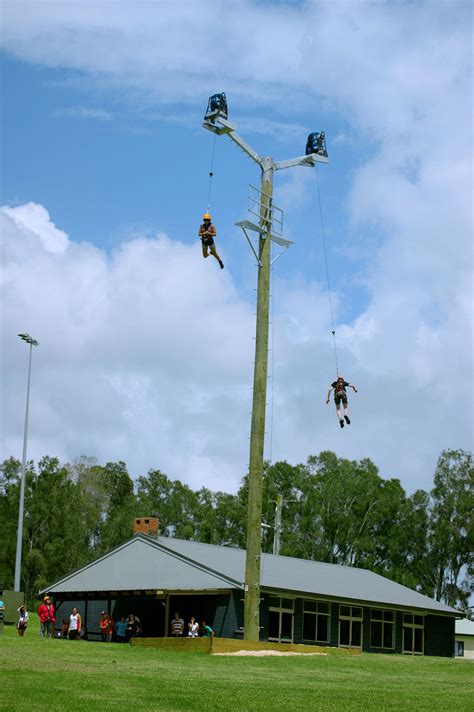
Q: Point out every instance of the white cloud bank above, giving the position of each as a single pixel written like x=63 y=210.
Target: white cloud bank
x=143 y=355
x=146 y=356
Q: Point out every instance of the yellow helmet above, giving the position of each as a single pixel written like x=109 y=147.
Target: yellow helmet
x=206 y=216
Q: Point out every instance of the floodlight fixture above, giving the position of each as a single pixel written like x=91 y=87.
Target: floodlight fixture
x=217 y=106
x=316 y=144
x=29 y=339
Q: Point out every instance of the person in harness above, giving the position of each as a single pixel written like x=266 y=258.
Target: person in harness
x=340 y=394
x=207 y=233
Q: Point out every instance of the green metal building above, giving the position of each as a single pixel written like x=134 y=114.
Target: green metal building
x=301 y=601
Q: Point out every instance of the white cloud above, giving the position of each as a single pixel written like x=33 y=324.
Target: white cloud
x=35 y=218
x=82 y=112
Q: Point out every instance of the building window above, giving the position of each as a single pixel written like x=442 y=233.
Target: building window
x=413 y=634
x=280 y=619
x=459 y=648
x=382 y=629
x=350 y=626
x=316 y=616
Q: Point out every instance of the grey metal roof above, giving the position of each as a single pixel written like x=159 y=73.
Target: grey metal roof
x=144 y=563
x=465 y=627
x=286 y=573
x=140 y=564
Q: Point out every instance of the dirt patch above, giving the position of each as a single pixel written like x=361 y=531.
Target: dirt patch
x=261 y=653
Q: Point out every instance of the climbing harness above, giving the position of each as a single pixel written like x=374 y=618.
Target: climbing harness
x=333 y=331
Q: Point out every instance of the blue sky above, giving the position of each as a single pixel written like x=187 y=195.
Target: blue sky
x=146 y=350
x=105 y=167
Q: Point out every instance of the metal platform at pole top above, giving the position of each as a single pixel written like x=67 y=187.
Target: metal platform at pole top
x=270 y=222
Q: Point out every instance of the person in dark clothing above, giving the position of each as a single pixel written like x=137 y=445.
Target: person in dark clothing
x=133 y=626
x=340 y=396
x=207 y=233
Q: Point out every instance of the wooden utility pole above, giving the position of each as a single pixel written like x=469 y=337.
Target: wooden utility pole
x=216 y=121
x=257 y=432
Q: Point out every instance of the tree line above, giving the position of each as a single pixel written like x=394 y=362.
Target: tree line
x=334 y=510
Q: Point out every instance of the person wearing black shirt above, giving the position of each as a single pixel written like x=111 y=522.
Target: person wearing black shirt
x=340 y=395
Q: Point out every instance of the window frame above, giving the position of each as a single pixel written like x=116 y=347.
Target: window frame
x=280 y=609
x=413 y=626
x=384 y=622
x=352 y=619
x=316 y=613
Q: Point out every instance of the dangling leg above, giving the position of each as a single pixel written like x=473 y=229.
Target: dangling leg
x=338 y=411
x=205 y=251
x=346 y=412
x=214 y=254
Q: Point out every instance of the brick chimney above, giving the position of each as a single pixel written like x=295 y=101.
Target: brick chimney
x=146 y=525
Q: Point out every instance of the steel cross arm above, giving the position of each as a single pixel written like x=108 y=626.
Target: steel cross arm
x=309 y=161
x=246 y=148
x=219 y=126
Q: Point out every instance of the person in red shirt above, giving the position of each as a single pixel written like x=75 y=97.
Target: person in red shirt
x=47 y=618
x=104 y=626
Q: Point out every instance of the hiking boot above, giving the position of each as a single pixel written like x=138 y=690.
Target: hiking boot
x=341 y=423
x=346 y=418
x=221 y=264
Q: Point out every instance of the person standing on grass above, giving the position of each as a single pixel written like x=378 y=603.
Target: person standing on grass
x=133 y=626
x=22 y=621
x=2 y=612
x=177 y=625
x=104 y=626
x=74 y=625
x=111 y=631
x=121 y=630
x=47 y=619
x=207 y=631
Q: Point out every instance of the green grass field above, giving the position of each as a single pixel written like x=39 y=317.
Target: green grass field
x=38 y=675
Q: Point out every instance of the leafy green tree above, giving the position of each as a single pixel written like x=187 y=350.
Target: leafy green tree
x=118 y=502
x=221 y=518
x=343 y=512
x=451 y=529
x=175 y=504
x=9 y=498
x=91 y=489
x=407 y=542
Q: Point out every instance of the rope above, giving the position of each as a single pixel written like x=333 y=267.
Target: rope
x=333 y=331
x=211 y=173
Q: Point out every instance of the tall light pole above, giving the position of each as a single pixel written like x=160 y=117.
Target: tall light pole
x=216 y=121
x=19 y=537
